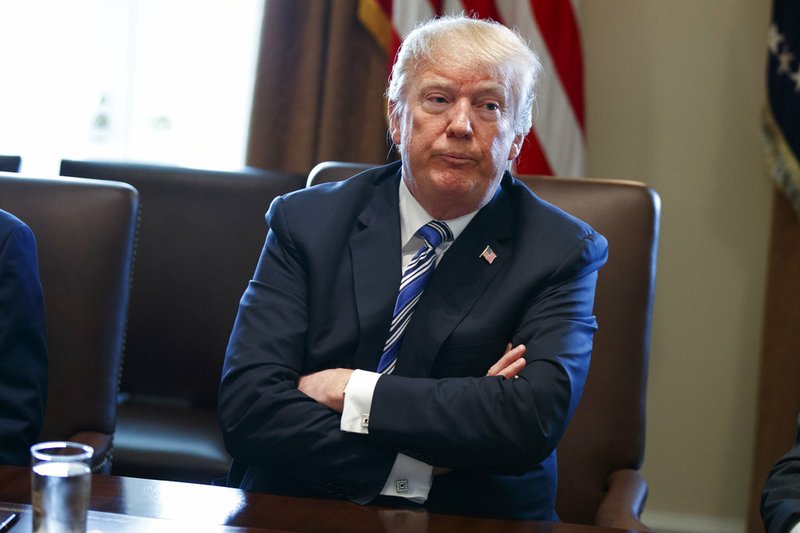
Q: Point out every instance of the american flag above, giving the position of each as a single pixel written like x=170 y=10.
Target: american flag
x=782 y=112
x=489 y=255
x=556 y=145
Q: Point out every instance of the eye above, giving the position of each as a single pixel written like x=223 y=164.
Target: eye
x=437 y=99
x=492 y=106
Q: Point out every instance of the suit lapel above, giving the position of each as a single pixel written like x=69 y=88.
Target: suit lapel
x=459 y=280
x=375 y=252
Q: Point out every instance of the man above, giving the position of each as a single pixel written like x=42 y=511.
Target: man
x=338 y=384
x=23 y=353
x=780 y=499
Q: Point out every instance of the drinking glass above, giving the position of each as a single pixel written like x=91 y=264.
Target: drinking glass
x=61 y=481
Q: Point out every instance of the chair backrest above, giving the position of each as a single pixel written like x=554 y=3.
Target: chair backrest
x=328 y=171
x=85 y=232
x=10 y=163
x=608 y=429
x=200 y=235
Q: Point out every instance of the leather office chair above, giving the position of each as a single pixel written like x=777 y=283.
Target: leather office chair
x=200 y=236
x=602 y=450
x=85 y=232
x=10 y=163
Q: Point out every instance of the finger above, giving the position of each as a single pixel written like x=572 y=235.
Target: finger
x=509 y=357
x=513 y=369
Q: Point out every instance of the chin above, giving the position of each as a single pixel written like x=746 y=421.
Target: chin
x=459 y=183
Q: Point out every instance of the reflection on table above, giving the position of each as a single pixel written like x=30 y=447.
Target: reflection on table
x=120 y=504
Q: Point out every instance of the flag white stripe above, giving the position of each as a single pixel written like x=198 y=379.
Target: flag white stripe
x=406 y=14
x=451 y=7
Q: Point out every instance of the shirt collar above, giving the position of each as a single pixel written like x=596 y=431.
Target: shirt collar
x=413 y=216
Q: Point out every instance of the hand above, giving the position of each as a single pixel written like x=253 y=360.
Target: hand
x=326 y=386
x=510 y=364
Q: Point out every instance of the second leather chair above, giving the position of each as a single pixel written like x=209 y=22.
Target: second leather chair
x=200 y=235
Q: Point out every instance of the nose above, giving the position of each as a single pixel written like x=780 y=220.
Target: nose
x=459 y=124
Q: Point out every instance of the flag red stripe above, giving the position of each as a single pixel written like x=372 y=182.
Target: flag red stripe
x=395 y=46
x=559 y=29
x=482 y=8
x=532 y=159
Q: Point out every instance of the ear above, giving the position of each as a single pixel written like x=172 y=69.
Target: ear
x=394 y=122
x=516 y=146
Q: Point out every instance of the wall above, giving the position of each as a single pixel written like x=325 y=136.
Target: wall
x=674 y=90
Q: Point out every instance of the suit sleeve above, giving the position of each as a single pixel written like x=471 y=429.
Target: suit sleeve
x=489 y=423
x=23 y=352
x=780 y=498
x=265 y=420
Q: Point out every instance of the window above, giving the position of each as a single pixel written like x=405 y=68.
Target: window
x=150 y=80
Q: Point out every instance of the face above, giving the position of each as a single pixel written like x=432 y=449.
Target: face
x=456 y=137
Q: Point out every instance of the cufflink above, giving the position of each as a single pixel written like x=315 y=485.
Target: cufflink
x=364 y=421
x=401 y=486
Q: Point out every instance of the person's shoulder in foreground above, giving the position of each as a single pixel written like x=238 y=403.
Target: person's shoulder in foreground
x=780 y=498
x=23 y=353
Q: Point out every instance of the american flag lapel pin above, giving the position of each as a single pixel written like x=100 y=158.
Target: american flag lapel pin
x=488 y=254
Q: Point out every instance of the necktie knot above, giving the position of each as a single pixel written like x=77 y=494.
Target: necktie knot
x=435 y=233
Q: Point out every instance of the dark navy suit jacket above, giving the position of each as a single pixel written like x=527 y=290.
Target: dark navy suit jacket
x=780 y=499
x=322 y=297
x=23 y=353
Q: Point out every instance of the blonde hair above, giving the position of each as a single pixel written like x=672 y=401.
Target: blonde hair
x=459 y=41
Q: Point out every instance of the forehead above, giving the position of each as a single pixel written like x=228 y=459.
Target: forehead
x=459 y=79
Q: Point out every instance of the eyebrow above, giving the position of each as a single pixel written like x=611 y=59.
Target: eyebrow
x=481 y=87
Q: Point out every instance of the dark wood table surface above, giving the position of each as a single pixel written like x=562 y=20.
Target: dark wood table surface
x=120 y=504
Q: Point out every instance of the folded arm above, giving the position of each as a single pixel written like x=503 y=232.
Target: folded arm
x=327 y=386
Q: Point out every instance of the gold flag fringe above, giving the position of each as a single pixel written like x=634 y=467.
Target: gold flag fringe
x=782 y=161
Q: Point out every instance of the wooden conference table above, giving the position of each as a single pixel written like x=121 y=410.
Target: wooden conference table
x=120 y=504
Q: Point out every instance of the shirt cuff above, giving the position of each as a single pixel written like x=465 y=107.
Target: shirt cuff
x=358 y=401
x=409 y=479
x=795 y=529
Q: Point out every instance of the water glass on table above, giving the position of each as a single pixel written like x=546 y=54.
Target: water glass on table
x=61 y=482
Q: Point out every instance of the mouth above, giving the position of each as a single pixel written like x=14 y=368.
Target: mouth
x=455 y=158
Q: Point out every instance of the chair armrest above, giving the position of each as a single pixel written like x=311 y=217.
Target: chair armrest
x=624 y=501
x=102 y=444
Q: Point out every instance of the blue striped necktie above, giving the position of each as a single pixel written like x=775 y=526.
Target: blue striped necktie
x=415 y=277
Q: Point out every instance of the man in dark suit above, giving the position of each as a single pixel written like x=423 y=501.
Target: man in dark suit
x=780 y=499
x=337 y=384
x=23 y=353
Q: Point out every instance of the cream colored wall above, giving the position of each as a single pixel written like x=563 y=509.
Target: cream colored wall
x=673 y=92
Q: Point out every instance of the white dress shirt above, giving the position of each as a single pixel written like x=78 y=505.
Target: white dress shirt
x=409 y=478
